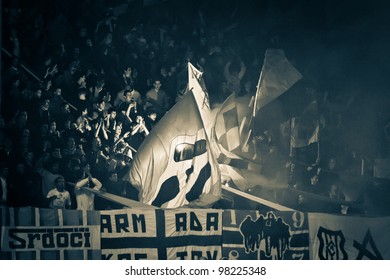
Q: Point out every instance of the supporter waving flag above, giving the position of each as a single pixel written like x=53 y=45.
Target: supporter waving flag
x=234 y=127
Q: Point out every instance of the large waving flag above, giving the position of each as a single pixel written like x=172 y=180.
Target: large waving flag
x=197 y=86
x=228 y=127
x=236 y=164
x=276 y=77
x=175 y=165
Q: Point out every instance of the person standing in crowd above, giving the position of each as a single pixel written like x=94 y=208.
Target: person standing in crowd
x=49 y=169
x=128 y=77
x=59 y=197
x=139 y=132
x=114 y=186
x=17 y=125
x=69 y=149
x=334 y=192
x=54 y=135
x=24 y=189
x=7 y=151
x=234 y=72
x=83 y=123
x=156 y=98
x=85 y=199
x=55 y=102
x=131 y=105
x=4 y=192
x=330 y=175
x=110 y=120
x=44 y=111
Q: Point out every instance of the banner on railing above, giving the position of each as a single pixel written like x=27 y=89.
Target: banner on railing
x=349 y=238
x=161 y=234
x=279 y=235
x=32 y=234
x=190 y=234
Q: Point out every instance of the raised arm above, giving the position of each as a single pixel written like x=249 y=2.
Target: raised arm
x=242 y=70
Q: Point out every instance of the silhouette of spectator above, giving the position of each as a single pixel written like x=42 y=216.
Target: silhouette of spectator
x=4 y=185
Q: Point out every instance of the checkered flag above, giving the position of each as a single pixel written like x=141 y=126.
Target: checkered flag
x=228 y=128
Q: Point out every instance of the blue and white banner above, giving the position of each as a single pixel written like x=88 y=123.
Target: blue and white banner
x=161 y=234
x=129 y=234
x=190 y=234
x=50 y=234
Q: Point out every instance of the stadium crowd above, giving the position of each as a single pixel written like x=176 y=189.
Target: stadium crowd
x=83 y=84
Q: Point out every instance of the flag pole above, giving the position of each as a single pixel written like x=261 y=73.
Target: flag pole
x=292 y=124
x=258 y=88
x=253 y=115
x=318 y=144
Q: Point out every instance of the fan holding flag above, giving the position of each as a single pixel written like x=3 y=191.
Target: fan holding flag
x=234 y=128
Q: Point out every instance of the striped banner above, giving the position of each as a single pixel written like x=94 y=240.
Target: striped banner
x=193 y=234
x=265 y=235
x=161 y=234
x=189 y=234
x=49 y=234
x=129 y=234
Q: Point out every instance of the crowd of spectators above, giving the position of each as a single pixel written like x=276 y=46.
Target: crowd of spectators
x=98 y=79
